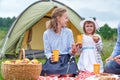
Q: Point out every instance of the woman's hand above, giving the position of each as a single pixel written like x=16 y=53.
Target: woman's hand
x=96 y=38
x=74 y=48
x=109 y=58
x=117 y=59
x=52 y=58
x=79 y=45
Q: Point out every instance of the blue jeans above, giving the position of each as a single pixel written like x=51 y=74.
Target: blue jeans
x=112 y=67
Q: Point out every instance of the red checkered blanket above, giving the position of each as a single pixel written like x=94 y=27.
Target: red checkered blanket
x=82 y=76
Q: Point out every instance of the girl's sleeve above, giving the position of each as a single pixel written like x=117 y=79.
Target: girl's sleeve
x=99 y=45
x=47 y=49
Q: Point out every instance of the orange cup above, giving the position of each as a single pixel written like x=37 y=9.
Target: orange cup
x=96 y=68
x=79 y=38
x=56 y=55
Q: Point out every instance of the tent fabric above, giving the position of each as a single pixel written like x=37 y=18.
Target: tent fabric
x=34 y=17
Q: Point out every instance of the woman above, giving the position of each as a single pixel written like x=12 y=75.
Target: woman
x=59 y=37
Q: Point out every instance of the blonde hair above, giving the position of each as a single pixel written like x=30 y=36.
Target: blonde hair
x=52 y=24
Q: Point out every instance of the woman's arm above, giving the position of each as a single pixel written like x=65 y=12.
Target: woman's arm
x=47 y=49
x=70 y=41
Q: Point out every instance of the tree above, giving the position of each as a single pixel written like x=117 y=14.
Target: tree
x=6 y=22
x=107 y=32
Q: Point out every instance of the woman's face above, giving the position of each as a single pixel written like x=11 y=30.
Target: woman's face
x=89 y=28
x=62 y=21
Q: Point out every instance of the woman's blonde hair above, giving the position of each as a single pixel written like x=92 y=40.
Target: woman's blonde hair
x=52 y=24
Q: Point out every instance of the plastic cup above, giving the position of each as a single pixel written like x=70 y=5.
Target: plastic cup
x=96 y=68
x=56 y=55
x=79 y=38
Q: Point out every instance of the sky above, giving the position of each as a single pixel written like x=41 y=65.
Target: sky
x=105 y=11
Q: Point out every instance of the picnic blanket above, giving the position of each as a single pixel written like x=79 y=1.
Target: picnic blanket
x=82 y=76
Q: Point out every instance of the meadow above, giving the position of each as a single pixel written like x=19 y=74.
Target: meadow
x=108 y=46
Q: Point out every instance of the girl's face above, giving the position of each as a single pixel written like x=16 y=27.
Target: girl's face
x=89 y=28
x=62 y=21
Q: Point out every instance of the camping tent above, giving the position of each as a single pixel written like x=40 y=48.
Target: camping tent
x=27 y=30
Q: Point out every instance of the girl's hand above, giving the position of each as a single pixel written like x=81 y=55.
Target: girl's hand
x=96 y=38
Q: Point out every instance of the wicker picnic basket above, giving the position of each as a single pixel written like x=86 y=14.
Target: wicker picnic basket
x=21 y=71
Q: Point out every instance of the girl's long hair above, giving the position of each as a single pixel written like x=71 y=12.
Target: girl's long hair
x=52 y=23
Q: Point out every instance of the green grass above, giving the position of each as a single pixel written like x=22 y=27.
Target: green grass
x=108 y=46
x=2 y=35
x=0 y=69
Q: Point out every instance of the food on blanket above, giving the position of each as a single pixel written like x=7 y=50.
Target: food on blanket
x=106 y=76
x=96 y=68
x=103 y=74
x=79 y=38
x=7 y=62
x=56 y=55
x=34 y=61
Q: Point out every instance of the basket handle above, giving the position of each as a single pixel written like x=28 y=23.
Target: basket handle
x=22 y=53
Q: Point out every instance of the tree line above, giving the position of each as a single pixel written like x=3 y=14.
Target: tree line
x=105 y=31
x=6 y=22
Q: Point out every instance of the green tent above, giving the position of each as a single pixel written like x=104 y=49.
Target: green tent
x=27 y=30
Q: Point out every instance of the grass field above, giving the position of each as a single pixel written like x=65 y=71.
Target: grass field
x=107 y=50
x=108 y=46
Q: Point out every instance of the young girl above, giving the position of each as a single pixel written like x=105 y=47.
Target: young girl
x=91 y=47
x=59 y=37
